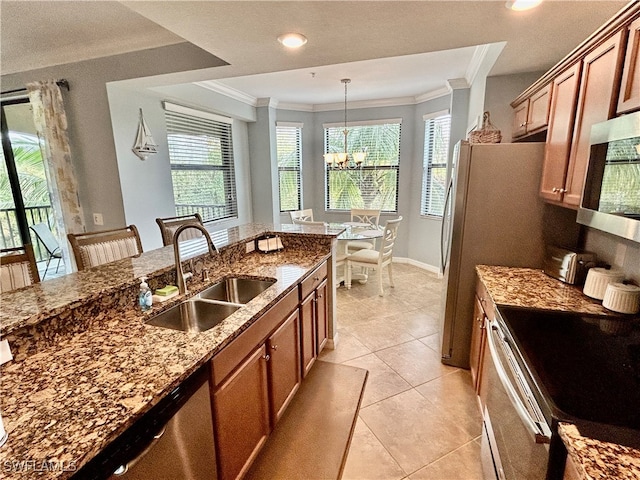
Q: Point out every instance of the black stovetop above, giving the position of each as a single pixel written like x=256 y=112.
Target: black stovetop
x=587 y=368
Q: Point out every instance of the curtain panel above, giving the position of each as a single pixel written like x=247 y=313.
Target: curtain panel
x=51 y=124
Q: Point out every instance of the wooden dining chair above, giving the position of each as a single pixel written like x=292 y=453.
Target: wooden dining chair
x=362 y=215
x=169 y=225
x=306 y=214
x=18 y=268
x=377 y=259
x=97 y=248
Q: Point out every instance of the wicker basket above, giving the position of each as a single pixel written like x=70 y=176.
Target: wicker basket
x=487 y=134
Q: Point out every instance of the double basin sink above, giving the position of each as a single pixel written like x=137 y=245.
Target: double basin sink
x=211 y=306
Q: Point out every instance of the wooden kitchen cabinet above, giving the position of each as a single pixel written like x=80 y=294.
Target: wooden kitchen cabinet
x=532 y=115
x=561 y=121
x=241 y=416
x=477 y=343
x=283 y=347
x=629 y=99
x=313 y=316
x=596 y=103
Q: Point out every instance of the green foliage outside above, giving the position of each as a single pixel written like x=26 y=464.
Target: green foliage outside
x=375 y=184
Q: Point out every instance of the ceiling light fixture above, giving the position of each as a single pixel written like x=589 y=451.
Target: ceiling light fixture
x=521 y=5
x=292 y=40
x=341 y=160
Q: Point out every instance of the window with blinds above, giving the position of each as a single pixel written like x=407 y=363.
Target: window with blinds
x=374 y=185
x=437 y=130
x=202 y=166
x=289 y=151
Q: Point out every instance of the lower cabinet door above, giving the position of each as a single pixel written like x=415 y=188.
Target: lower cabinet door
x=241 y=424
x=284 y=365
x=308 y=332
x=321 y=314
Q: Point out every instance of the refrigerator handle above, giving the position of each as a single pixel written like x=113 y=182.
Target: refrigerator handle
x=443 y=254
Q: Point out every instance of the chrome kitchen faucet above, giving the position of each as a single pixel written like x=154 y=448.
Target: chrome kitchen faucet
x=180 y=275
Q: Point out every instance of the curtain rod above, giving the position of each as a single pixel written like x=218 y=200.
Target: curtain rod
x=61 y=83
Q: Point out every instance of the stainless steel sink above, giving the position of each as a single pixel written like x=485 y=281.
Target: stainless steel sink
x=193 y=316
x=236 y=290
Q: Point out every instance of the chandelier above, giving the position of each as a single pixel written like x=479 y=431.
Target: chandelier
x=342 y=160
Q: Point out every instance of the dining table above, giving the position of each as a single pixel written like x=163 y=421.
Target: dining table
x=354 y=231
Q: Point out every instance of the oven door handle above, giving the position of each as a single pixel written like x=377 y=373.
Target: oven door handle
x=539 y=435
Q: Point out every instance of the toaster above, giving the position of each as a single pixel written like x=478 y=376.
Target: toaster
x=566 y=265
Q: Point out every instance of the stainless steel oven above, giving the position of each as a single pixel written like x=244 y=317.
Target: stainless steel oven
x=516 y=436
x=611 y=196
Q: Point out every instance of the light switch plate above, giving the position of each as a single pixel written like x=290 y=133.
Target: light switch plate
x=5 y=352
x=97 y=219
x=251 y=246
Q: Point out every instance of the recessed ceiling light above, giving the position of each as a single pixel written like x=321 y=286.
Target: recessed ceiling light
x=292 y=40
x=520 y=5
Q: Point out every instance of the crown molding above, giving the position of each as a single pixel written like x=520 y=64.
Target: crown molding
x=458 y=83
x=228 y=92
x=267 y=102
x=298 y=107
x=439 y=92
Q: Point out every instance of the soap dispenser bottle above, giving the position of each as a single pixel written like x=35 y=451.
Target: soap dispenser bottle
x=144 y=297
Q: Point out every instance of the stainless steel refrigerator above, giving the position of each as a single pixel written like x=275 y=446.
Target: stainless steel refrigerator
x=493 y=216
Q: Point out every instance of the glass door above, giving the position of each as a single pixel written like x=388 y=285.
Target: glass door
x=24 y=192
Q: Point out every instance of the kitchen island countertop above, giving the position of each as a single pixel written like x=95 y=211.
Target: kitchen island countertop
x=532 y=288
x=63 y=404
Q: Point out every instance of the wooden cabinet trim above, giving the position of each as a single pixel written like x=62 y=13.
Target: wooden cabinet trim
x=229 y=357
x=538 y=115
x=629 y=99
x=308 y=333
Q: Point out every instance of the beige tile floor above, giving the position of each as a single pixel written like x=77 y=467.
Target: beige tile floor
x=419 y=418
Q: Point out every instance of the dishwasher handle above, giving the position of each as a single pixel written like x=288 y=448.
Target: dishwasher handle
x=532 y=425
x=123 y=469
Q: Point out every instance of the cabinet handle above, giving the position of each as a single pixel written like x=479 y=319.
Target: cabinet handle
x=319 y=296
x=274 y=347
x=266 y=357
x=562 y=190
x=316 y=278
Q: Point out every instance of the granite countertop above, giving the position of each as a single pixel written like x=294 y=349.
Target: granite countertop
x=599 y=460
x=532 y=288
x=69 y=400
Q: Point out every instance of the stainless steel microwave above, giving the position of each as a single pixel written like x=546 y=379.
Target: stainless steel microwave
x=611 y=196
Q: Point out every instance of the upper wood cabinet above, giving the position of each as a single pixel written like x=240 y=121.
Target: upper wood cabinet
x=629 y=99
x=596 y=103
x=561 y=120
x=532 y=115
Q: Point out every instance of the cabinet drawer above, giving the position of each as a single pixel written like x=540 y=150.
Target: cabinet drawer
x=485 y=300
x=310 y=283
x=229 y=358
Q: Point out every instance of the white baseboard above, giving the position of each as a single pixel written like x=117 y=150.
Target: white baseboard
x=416 y=263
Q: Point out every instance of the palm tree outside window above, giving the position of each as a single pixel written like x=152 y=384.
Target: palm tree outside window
x=374 y=185
x=289 y=151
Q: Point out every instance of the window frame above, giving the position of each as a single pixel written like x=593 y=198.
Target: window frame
x=298 y=168
x=390 y=167
x=224 y=126
x=428 y=165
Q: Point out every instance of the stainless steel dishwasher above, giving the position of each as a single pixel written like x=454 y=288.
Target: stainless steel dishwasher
x=174 y=440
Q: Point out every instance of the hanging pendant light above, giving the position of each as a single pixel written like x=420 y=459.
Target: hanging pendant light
x=342 y=160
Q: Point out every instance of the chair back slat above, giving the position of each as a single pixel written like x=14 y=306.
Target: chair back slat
x=17 y=268
x=389 y=240
x=372 y=217
x=305 y=215
x=168 y=227
x=97 y=248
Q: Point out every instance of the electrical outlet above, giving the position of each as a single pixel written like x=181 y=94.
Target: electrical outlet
x=251 y=246
x=97 y=219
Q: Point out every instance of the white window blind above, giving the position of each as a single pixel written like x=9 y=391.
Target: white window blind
x=437 y=131
x=375 y=184
x=289 y=151
x=202 y=165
